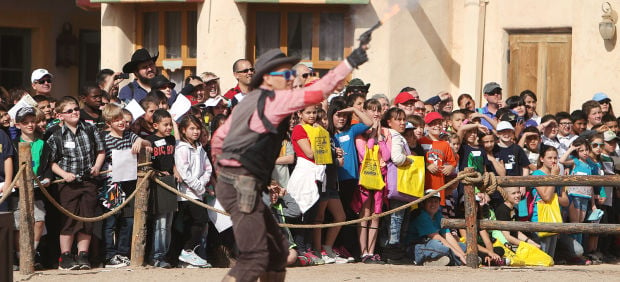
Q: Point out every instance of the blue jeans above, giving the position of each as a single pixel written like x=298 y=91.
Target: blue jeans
x=162 y=224
x=547 y=244
x=434 y=249
x=122 y=227
x=396 y=222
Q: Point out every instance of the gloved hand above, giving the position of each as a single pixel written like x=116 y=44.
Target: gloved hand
x=357 y=57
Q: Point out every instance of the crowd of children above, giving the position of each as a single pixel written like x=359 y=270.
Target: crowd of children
x=318 y=175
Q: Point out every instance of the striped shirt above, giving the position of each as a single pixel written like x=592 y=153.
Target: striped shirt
x=115 y=143
x=75 y=153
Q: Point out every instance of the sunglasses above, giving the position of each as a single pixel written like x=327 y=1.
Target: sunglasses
x=596 y=145
x=305 y=75
x=245 y=70
x=287 y=74
x=44 y=80
x=166 y=86
x=70 y=111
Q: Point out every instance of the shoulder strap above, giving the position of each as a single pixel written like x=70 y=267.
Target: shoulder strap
x=260 y=107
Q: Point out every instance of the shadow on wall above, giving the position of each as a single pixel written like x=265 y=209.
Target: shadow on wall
x=610 y=45
x=451 y=68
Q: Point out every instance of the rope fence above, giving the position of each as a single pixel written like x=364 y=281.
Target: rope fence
x=6 y=194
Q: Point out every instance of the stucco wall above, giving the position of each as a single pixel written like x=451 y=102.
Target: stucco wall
x=45 y=22
x=118 y=29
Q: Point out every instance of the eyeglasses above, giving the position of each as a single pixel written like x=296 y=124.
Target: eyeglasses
x=305 y=75
x=287 y=74
x=70 y=111
x=566 y=123
x=245 y=70
x=604 y=102
x=596 y=145
x=44 y=80
x=166 y=86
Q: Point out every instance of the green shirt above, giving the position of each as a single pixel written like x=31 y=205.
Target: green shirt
x=36 y=149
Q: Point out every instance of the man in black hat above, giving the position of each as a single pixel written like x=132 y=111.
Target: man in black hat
x=142 y=65
x=245 y=148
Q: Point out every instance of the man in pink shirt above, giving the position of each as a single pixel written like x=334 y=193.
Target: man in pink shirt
x=245 y=148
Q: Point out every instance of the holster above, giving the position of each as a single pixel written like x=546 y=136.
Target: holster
x=247 y=190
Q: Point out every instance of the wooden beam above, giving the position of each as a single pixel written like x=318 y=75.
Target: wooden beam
x=558 y=180
x=471 y=223
x=138 y=241
x=568 y=228
x=26 y=209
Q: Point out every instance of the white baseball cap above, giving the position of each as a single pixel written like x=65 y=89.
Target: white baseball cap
x=503 y=125
x=38 y=74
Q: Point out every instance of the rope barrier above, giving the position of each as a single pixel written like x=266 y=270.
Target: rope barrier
x=471 y=175
x=194 y=201
x=96 y=218
x=102 y=172
x=15 y=179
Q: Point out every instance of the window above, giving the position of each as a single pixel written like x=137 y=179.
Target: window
x=170 y=30
x=14 y=58
x=316 y=34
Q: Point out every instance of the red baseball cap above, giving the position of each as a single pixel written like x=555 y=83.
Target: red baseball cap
x=432 y=116
x=403 y=97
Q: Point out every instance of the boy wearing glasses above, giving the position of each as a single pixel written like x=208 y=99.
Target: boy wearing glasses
x=76 y=155
x=41 y=82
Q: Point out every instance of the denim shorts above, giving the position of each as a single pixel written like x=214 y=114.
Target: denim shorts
x=329 y=194
x=580 y=203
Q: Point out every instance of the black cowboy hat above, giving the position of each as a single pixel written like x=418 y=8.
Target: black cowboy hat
x=141 y=55
x=159 y=80
x=266 y=62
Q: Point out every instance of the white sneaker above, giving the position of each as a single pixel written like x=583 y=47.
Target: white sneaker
x=327 y=259
x=340 y=260
x=192 y=258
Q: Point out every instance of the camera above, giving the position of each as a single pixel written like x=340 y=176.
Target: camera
x=121 y=76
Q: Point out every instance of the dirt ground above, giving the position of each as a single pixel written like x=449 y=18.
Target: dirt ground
x=345 y=272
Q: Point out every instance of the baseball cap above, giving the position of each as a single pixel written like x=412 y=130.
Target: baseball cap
x=38 y=74
x=410 y=126
x=609 y=136
x=503 y=125
x=489 y=87
x=432 y=116
x=428 y=191
x=600 y=96
x=23 y=113
x=403 y=97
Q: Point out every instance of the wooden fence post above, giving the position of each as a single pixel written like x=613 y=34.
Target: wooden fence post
x=26 y=209
x=140 y=214
x=471 y=226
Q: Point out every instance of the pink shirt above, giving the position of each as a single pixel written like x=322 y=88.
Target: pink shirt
x=282 y=105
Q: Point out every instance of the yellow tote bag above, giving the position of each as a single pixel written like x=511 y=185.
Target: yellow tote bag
x=320 y=143
x=411 y=177
x=533 y=256
x=549 y=213
x=370 y=174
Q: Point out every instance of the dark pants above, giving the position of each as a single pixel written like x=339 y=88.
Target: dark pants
x=79 y=198
x=261 y=243
x=122 y=227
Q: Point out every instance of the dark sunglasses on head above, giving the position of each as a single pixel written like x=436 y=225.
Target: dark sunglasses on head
x=44 y=80
x=70 y=111
x=287 y=74
x=245 y=70
x=305 y=75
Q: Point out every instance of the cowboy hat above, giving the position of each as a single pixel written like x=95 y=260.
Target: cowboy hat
x=267 y=62
x=139 y=56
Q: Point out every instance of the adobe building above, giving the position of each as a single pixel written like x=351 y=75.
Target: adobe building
x=553 y=47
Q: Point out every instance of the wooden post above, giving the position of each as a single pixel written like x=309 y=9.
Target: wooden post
x=471 y=226
x=26 y=215
x=567 y=228
x=140 y=213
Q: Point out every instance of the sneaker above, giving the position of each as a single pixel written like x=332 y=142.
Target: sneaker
x=82 y=260
x=192 y=258
x=66 y=262
x=115 y=262
x=376 y=258
x=344 y=253
x=315 y=260
x=366 y=259
x=441 y=261
x=124 y=259
x=161 y=264
x=303 y=261
x=326 y=258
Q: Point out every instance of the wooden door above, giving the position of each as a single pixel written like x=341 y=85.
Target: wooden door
x=541 y=63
